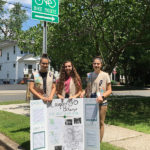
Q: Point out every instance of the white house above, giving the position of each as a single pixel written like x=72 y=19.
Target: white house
x=15 y=64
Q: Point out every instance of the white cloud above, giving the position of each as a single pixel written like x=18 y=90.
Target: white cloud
x=27 y=6
x=29 y=13
x=23 y=2
x=8 y=6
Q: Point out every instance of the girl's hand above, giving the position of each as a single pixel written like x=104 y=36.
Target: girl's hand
x=99 y=99
x=82 y=94
x=50 y=99
x=71 y=97
x=60 y=97
x=45 y=99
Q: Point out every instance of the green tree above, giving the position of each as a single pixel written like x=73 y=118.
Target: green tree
x=1 y=14
x=96 y=27
x=11 y=26
x=32 y=39
x=90 y=28
x=134 y=64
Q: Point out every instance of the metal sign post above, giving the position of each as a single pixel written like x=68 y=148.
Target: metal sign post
x=45 y=37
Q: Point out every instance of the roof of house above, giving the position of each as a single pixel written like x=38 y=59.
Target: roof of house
x=29 y=58
x=7 y=43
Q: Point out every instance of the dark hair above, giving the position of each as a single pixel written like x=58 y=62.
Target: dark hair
x=97 y=57
x=44 y=56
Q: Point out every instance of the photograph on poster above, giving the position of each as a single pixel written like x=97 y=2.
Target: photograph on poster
x=77 y=120
x=73 y=137
x=68 y=122
x=78 y=133
x=68 y=134
x=58 y=148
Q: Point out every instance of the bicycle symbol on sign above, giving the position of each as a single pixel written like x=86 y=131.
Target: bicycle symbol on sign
x=51 y=3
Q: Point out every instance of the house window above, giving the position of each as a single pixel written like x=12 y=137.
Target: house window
x=0 y=67
x=7 y=75
x=14 y=49
x=21 y=52
x=25 y=67
x=14 y=65
x=7 y=56
x=0 y=52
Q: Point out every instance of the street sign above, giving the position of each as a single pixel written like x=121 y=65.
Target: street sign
x=46 y=10
x=45 y=17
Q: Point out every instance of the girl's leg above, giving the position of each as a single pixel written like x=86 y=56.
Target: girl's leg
x=102 y=114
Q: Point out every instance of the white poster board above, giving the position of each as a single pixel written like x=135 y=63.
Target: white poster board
x=64 y=124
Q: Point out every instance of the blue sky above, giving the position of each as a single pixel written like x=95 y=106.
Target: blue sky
x=27 y=5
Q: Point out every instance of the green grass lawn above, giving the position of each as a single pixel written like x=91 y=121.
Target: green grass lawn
x=123 y=87
x=132 y=113
x=17 y=128
x=12 y=102
x=107 y=146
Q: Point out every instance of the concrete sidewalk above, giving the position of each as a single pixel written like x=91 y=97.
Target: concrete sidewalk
x=22 y=109
x=118 y=136
x=126 y=138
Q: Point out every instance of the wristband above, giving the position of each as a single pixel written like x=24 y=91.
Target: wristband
x=103 y=98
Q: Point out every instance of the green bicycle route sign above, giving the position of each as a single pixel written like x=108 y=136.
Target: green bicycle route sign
x=46 y=10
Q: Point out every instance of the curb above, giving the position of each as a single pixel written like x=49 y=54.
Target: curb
x=8 y=144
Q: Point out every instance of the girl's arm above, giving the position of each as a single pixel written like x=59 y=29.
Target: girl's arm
x=60 y=96
x=105 y=94
x=52 y=92
x=108 y=90
x=34 y=92
x=76 y=95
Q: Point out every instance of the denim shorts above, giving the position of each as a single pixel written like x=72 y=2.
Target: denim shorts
x=105 y=103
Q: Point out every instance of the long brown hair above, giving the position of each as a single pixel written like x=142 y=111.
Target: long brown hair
x=63 y=77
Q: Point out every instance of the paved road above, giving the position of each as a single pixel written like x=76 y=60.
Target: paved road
x=12 y=95
x=18 y=92
x=10 y=92
x=133 y=92
x=13 y=87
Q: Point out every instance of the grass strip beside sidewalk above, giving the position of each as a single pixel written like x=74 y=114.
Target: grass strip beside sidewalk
x=132 y=113
x=12 y=102
x=17 y=128
x=107 y=146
